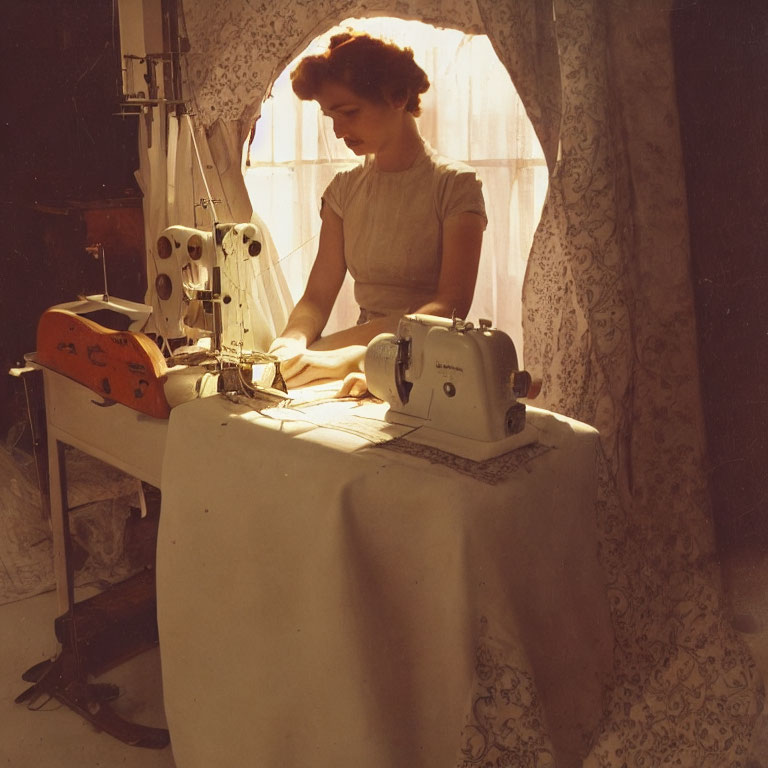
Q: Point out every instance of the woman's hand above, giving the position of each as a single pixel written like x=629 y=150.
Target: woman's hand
x=286 y=348
x=301 y=366
x=354 y=385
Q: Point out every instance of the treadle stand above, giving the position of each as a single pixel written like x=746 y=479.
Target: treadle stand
x=62 y=680
x=85 y=628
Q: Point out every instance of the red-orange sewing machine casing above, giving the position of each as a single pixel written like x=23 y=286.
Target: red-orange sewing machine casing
x=122 y=366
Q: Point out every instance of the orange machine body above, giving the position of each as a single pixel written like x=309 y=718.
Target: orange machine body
x=122 y=366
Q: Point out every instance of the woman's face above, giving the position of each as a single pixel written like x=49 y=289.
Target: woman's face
x=365 y=126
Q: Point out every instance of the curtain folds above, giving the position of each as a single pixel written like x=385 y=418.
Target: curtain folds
x=524 y=40
x=238 y=48
x=609 y=325
x=608 y=322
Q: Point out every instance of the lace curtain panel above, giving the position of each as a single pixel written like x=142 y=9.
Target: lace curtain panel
x=609 y=323
x=470 y=113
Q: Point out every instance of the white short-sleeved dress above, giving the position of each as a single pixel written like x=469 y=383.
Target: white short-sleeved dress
x=393 y=227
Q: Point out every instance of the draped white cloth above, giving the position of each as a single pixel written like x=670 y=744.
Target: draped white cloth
x=331 y=596
x=174 y=153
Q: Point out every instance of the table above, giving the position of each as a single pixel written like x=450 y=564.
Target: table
x=134 y=443
x=326 y=598
x=117 y=435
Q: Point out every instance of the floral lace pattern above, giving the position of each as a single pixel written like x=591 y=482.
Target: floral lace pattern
x=608 y=316
x=100 y=500
x=238 y=48
x=491 y=471
x=506 y=728
x=609 y=324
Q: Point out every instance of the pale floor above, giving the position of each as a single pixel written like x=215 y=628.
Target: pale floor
x=56 y=737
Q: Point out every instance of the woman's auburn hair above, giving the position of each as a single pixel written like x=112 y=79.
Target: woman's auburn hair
x=371 y=68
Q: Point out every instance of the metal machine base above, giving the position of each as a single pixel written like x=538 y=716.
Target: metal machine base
x=59 y=679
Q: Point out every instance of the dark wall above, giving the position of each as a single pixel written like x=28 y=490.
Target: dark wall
x=67 y=163
x=61 y=90
x=721 y=56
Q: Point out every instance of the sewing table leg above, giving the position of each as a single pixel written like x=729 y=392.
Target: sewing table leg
x=65 y=677
x=62 y=542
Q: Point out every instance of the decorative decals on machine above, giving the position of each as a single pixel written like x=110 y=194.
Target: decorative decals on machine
x=448 y=367
x=126 y=367
x=95 y=351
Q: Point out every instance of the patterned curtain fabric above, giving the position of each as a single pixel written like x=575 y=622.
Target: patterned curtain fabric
x=523 y=36
x=238 y=48
x=609 y=326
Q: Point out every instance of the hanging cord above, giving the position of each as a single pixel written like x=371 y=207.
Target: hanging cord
x=268 y=267
x=208 y=196
x=216 y=339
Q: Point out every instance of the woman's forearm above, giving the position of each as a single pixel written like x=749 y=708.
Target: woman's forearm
x=305 y=323
x=363 y=333
x=357 y=334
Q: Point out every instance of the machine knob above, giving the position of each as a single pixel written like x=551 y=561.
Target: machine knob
x=523 y=385
x=164 y=286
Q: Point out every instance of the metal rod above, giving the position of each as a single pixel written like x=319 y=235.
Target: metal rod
x=215 y=315
x=103 y=255
x=209 y=196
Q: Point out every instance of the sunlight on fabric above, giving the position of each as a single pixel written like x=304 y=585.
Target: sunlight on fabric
x=470 y=113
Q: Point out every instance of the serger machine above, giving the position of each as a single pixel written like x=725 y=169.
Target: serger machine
x=458 y=381
x=204 y=288
x=205 y=312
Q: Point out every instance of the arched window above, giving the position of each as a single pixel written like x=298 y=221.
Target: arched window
x=470 y=113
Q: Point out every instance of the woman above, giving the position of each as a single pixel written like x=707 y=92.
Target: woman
x=407 y=223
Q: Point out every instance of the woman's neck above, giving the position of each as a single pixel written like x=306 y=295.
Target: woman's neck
x=401 y=154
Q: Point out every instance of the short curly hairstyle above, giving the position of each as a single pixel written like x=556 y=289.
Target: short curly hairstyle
x=371 y=68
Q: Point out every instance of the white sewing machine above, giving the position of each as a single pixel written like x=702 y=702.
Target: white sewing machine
x=213 y=272
x=458 y=382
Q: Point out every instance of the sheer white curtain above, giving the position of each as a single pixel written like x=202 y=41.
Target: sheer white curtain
x=470 y=113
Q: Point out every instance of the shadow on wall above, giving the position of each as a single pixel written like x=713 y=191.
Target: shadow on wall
x=721 y=56
x=62 y=143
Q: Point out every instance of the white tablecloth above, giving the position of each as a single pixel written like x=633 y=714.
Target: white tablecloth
x=324 y=601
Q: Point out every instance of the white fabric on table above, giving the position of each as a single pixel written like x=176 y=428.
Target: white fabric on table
x=326 y=602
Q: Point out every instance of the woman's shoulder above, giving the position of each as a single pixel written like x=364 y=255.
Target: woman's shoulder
x=457 y=186
x=355 y=170
x=450 y=174
x=447 y=172
x=447 y=166
x=348 y=178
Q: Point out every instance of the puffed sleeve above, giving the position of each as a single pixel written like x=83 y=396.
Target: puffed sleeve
x=336 y=192
x=461 y=192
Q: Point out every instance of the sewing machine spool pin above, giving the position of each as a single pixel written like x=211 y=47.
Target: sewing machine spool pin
x=97 y=251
